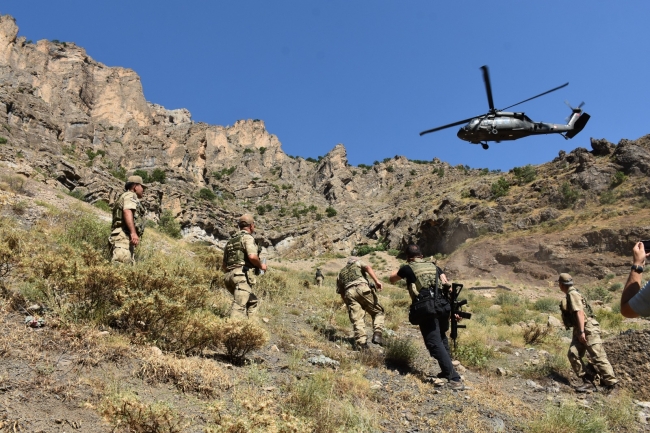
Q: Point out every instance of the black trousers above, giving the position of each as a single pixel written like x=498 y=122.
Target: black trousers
x=434 y=332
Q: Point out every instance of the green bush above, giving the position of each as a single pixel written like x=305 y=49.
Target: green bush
x=169 y=225
x=224 y=172
x=248 y=150
x=619 y=178
x=569 y=195
x=207 y=194
x=507 y=298
x=525 y=174
x=119 y=173
x=92 y=154
x=330 y=211
x=400 y=352
x=262 y=150
x=83 y=228
x=240 y=338
x=512 y=314
x=615 y=287
x=597 y=293
x=101 y=204
x=473 y=354
x=408 y=183
x=608 y=197
x=158 y=175
x=547 y=305
x=390 y=169
x=500 y=188
x=3 y=140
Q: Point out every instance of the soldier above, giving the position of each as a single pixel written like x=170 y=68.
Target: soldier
x=240 y=260
x=319 y=277
x=577 y=314
x=128 y=222
x=420 y=274
x=352 y=284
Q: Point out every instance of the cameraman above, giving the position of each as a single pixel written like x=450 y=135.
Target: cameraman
x=434 y=329
x=635 y=302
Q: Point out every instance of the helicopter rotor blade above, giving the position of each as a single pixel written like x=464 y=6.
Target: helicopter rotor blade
x=537 y=96
x=488 y=86
x=460 y=122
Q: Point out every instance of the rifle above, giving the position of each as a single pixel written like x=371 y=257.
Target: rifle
x=456 y=309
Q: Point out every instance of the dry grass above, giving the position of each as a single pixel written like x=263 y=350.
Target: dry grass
x=127 y=413
x=197 y=375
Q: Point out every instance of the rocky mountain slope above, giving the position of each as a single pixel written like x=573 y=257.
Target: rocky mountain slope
x=76 y=124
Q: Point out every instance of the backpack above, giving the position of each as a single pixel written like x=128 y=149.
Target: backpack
x=429 y=303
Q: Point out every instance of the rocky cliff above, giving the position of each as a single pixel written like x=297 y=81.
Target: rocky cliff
x=76 y=124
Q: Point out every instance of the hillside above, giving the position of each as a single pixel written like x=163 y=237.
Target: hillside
x=149 y=348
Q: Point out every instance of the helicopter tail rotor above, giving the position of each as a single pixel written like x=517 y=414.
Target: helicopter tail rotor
x=574 y=110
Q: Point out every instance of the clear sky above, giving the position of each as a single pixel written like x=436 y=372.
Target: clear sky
x=373 y=74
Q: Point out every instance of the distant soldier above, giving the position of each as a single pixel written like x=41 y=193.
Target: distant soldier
x=319 y=277
x=355 y=290
x=240 y=260
x=128 y=222
x=577 y=314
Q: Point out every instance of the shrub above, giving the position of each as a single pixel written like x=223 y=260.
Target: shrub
x=119 y=173
x=408 y=183
x=77 y=194
x=400 y=352
x=16 y=183
x=597 y=293
x=615 y=287
x=525 y=174
x=473 y=354
x=129 y=414
x=169 y=225
x=500 y=188
x=568 y=195
x=262 y=150
x=390 y=169
x=511 y=314
x=224 y=172
x=507 y=298
x=547 y=305
x=83 y=228
x=240 y=337
x=619 y=178
x=536 y=333
x=158 y=175
x=3 y=140
x=207 y=194
x=330 y=211
x=19 y=207
x=101 y=204
x=608 y=197
x=92 y=154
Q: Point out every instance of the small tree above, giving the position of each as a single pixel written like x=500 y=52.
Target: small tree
x=207 y=194
x=158 y=175
x=569 y=195
x=330 y=211
x=169 y=225
x=525 y=174
x=500 y=188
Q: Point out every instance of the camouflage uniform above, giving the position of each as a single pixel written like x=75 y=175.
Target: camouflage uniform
x=319 y=278
x=122 y=251
x=240 y=274
x=574 y=302
x=352 y=284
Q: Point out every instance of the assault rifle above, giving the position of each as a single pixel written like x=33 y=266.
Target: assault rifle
x=456 y=309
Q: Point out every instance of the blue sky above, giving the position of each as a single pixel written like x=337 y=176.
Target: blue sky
x=372 y=75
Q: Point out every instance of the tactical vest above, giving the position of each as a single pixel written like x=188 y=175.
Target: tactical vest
x=350 y=274
x=568 y=316
x=426 y=274
x=319 y=274
x=235 y=254
x=138 y=215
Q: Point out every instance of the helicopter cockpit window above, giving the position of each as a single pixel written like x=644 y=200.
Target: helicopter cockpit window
x=474 y=122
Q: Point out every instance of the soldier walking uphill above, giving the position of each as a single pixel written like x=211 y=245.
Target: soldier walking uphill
x=577 y=314
x=360 y=299
x=319 y=277
x=240 y=260
x=422 y=275
x=128 y=222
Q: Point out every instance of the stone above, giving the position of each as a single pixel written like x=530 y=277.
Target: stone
x=323 y=361
x=155 y=351
x=501 y=371
x=554 y=322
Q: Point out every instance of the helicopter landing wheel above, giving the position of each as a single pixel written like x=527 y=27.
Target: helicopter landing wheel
x=485 y=146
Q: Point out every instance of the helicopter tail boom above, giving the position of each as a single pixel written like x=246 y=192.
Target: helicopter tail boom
x=578 y=122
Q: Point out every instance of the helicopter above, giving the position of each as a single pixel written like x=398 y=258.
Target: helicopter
x=499 y=125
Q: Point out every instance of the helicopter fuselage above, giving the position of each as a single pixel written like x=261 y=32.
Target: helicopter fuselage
x=506 y=126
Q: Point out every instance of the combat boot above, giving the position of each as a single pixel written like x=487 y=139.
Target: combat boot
x=586 y=386
x=377 y=338
x=361 y=347
x=456 y=385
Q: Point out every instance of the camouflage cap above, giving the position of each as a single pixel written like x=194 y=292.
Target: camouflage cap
x=135 y=179
x=565 y=279
x=246 y=220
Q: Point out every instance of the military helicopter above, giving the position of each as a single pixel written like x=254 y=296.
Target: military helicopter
x=499 y=125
